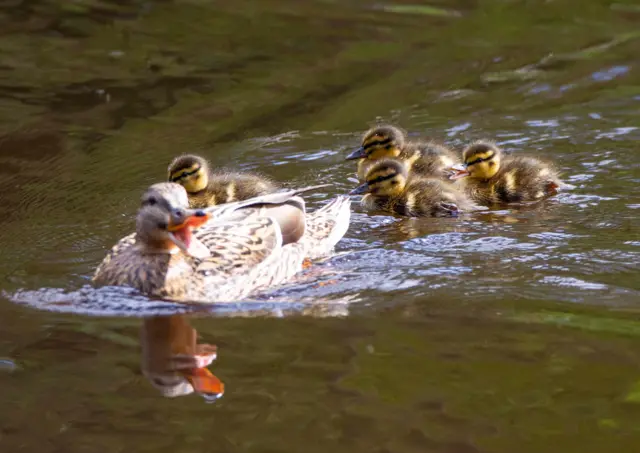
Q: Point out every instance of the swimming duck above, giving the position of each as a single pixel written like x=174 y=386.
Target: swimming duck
x=490 y=177
x=423 y=158
x=237 y=248
x=206 y=188
x=389 y=188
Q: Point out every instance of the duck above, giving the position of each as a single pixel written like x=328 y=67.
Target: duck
x=426 y=158
x=222 y=253
x=490 y=177
x=207 y=188
x=390 y=188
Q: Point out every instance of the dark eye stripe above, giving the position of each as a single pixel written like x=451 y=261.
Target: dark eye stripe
x=386 y=141
x=184 y=175
x=482 y=159
x=381 y=178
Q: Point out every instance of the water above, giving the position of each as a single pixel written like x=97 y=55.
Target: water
x=514 y=330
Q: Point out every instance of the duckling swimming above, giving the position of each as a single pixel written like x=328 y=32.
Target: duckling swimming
x=491 y=177
x=231 y=255
x=388 y=187
x=207 y=188
x=423 y=158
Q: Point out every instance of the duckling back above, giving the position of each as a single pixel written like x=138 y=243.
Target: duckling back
x=520 y=179
x=226 y=187
x=431 y=197
x=431 y=159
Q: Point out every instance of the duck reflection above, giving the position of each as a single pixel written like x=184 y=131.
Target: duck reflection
x=174 y=362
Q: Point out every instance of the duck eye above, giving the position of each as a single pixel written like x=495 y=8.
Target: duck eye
x=178 y=213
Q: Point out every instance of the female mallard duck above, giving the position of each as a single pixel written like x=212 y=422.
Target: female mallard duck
x=245 y=246
x=491 y=177
x=389 y=188
x=423 y=158
x=206 y=188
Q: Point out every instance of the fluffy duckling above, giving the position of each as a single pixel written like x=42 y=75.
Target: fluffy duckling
x=389 y=188
x=490 y=177
x=423 y=158
x=207 y=188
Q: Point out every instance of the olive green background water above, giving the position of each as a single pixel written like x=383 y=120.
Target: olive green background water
x=513 y=331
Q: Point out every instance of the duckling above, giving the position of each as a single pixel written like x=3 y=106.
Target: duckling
x=245 y=246
x=207 y=188
x=388 y=187
x=423 y=158
x=491 y=177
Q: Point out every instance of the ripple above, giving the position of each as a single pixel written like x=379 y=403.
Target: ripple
x=125 y=302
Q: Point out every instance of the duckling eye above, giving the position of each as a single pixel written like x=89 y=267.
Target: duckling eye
x=394 y=183
x=163 y=225
x=151 y=201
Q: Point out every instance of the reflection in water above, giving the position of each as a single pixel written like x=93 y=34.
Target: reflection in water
x=174 y=362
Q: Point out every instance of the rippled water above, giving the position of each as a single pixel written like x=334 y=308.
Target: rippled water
x=511 y=330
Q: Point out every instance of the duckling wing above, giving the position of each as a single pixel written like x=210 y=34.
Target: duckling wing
x=526 y=179
x=434 y=159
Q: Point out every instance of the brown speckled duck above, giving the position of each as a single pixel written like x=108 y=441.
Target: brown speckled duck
x=237 y=248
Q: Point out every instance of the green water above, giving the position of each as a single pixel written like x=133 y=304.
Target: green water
x=513 y=331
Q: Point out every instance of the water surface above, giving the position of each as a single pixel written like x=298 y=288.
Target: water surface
x=514 y=330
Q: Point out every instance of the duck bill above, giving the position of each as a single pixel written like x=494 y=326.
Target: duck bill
x=205 y=383
x=180 y=233
x=356 y=154
x=459 y=171
x=361 y=189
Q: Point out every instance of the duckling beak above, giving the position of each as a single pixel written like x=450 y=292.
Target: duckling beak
x=356 y=154
x=180 y=233
x=361 y=189
x=459 y=171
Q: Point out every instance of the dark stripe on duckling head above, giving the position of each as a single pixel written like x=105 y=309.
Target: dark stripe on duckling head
x=481 y=159
x=185 y=173
x=382 y=178
x=376 y=143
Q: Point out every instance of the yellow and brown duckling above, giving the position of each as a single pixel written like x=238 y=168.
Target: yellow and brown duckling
x=207 y=188
x=423 y=158
x=389 y=188
x=490 y=177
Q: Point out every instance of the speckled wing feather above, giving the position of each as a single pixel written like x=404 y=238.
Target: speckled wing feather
x=235 y=247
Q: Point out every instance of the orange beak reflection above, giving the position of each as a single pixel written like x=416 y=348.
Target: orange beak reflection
x=205 y=383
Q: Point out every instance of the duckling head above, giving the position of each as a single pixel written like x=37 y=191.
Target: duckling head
x=190 y=171
x=380 y=142
x=387 y=178
x=481 y=161
x=162 y=230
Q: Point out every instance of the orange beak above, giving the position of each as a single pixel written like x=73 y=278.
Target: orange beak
x=180 y=233
x=205 y=383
